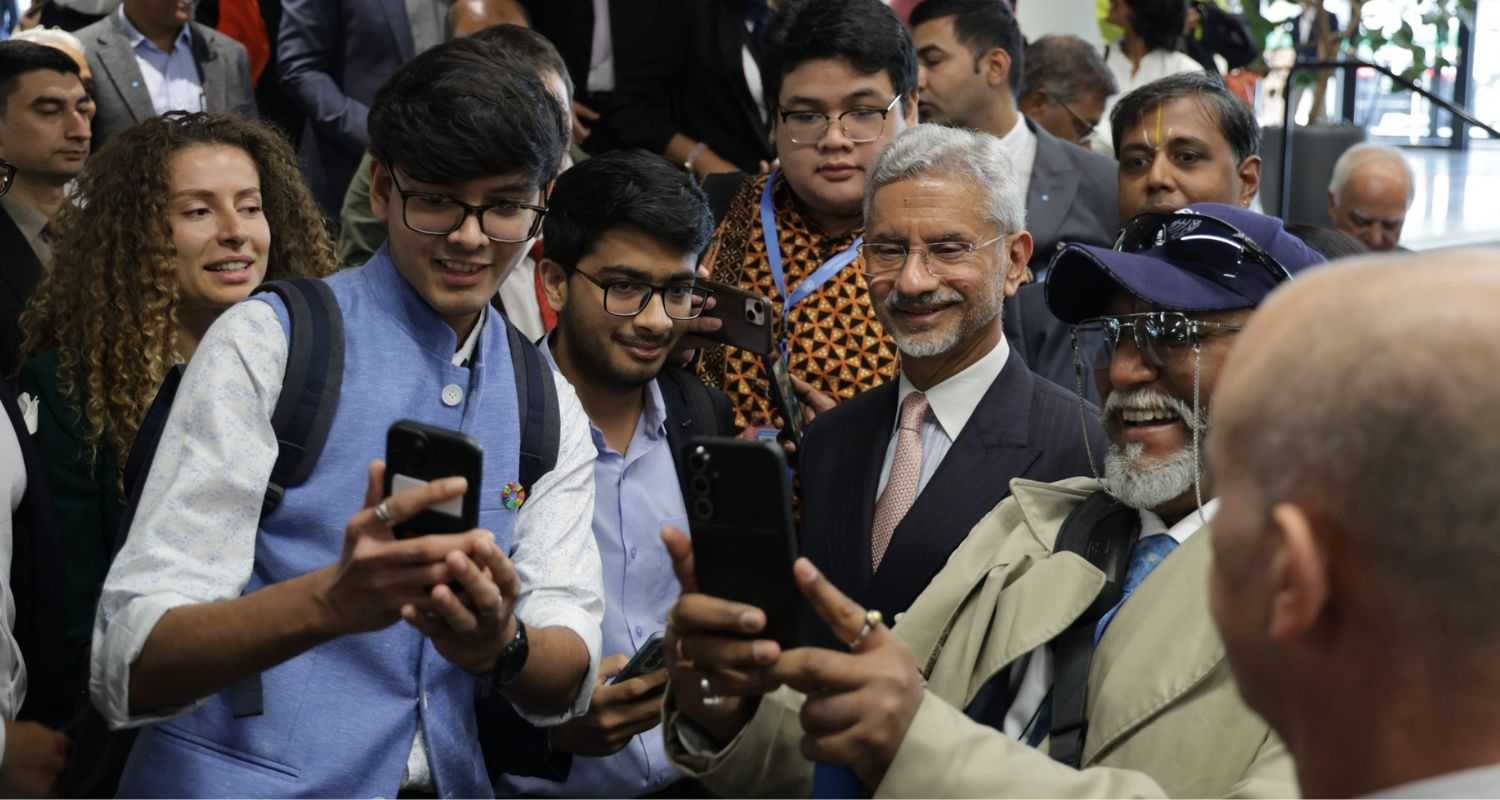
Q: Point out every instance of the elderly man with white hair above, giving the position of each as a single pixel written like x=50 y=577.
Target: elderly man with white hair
x=1065 y=649
x=1369 y=194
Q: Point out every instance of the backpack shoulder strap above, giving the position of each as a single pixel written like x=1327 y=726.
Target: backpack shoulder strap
x=536 y=399
x=310 y=390
x=1102 y=530
x=143 y=452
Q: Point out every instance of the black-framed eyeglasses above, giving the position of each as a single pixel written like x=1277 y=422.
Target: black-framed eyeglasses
x=627 y=298
x=1082 y=128
x=7 y=177
x=859 y=125
x=435 y=214
x=1159 y=336
x=1209 y=248
x=940 y=258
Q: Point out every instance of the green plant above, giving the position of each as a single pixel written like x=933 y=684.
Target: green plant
x=1359 y=39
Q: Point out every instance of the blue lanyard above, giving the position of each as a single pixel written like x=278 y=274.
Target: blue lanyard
x=811 y=283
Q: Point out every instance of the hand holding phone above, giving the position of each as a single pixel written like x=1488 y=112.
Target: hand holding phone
x=416 y=454
x=646 y=660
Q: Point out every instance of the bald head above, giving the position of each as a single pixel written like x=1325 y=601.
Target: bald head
x=1368 y=397
x=1369 y=194
x=468 y=17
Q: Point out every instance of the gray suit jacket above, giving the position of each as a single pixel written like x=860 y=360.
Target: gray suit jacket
x=1073 y=197
x=120 y=92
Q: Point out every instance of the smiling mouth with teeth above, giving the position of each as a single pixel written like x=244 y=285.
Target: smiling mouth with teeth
x=466 y=269
x=1130 y=416
x=228 y=266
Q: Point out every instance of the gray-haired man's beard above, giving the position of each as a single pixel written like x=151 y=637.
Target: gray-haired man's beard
x=1136 y=481
x=979 y=312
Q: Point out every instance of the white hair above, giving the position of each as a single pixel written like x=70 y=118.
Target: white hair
x=930 y=150
x=51 y=37
x=1367 y=153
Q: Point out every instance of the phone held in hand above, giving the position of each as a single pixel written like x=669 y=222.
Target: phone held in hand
x=784 y=397
x=739 y=499
x=646 y=660
x=746 y=317
x=416 y=454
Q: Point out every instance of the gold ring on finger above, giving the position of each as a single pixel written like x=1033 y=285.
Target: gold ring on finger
x=873 y=618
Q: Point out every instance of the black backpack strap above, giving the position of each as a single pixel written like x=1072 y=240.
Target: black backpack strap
x=310 y=389
x=143 y=452
x=1102 y=530
x=536 y=399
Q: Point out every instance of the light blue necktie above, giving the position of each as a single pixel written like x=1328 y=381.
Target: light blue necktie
x=1148 y=553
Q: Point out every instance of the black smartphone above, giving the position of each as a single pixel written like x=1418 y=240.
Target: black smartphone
x=739 y=499
x=646 y=660
x=746 y=317
x=784 y=398
x=416 y=454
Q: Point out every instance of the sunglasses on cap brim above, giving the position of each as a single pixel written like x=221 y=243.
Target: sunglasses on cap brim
x=1207 y=247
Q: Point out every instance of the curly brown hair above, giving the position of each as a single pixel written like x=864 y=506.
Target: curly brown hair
x=109 y=305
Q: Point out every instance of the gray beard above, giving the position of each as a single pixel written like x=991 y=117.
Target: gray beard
x=1147 y=486
x=934 y=343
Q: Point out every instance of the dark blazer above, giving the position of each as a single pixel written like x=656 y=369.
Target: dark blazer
x=1025 y=427
x=22 y=272
x=1045 y=341
x=1073 y=197
x=120 y=95
x=36 y=570
x=332 y=56
x=691 y=80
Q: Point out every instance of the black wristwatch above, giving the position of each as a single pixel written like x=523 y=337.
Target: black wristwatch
x=511 y=660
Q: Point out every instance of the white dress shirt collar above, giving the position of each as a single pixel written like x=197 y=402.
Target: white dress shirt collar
x=466 y=350
x=137 y=39
x=1020 y=145
x=1151 y=523
x=953 y=401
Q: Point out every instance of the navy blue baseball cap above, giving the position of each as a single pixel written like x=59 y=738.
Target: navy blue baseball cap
x=1206 y=257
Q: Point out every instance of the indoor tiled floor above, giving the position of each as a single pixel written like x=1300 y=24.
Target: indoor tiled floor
x=1457 y=198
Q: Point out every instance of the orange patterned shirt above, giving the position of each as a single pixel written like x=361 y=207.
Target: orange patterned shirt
x=836 y=343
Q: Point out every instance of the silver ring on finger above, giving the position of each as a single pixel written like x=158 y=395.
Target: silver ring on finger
x=873 y=618
x=383 y=513
x=709 y=698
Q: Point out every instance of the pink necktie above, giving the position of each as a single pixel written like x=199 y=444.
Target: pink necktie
x=906 y=470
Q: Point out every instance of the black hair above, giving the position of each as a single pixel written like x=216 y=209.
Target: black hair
x=532 y=49
x=981 y=26
x=1236 y=121
x=1158 y=22
x=623 y=188
x=1067 y=68
x=865 y=33
x=1327 y=242
x=456 y=113
x=19 y=58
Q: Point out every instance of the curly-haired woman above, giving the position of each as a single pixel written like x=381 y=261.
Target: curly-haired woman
x=174 y=221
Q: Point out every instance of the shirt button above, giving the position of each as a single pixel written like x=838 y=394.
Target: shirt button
x=639 y=631
x=632 y=553
x=452 y=395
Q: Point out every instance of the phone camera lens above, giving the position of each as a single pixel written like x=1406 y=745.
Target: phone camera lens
x=699 y=460
x=700 y=483
x=703 y=508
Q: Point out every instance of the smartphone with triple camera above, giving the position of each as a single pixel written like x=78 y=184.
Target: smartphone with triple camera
x=739 y=499
x=415 y=454
x=646 y=660
x=746 y=317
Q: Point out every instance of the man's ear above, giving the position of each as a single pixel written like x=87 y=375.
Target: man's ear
x=554 y=284
x=1019 y=249
x=1031 y=102
x=908 y=107
x=997 y=67
x=1249 y=173
x=1300 y=581
x=381 y=188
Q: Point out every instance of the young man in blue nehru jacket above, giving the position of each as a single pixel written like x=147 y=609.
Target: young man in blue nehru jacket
x=367 y=651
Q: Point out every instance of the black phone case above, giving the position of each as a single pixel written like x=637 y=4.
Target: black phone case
x=739 y=499
x=650 y=658
x=427 y=453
